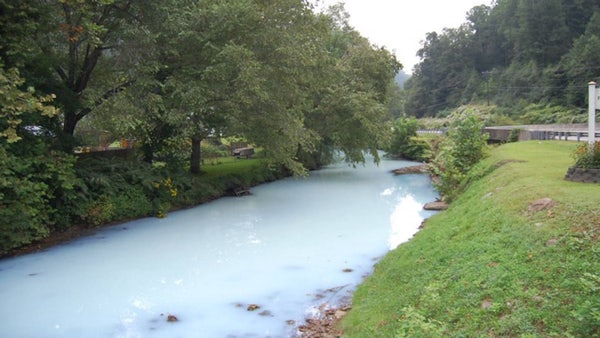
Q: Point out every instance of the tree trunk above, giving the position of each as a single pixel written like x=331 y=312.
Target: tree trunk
x=196 y=155
x=148 y=152
x=70 y=123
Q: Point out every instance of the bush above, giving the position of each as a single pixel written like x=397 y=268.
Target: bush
x=550 y=114
x=128 y=187
x=212 y=153
x=36 y=186
x=98 y=211
x=162 y=196
x=464 y=146
x=131 y=203
x=405 y=142
x=588 y=156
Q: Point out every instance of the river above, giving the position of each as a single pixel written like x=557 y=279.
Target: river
x=252 y=266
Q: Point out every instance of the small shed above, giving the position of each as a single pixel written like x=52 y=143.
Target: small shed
x=245 y=152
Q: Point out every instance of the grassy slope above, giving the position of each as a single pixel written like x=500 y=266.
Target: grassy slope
x=489 y=267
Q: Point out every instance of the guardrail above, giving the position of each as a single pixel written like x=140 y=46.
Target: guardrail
x=431 y=131
x=568 y=132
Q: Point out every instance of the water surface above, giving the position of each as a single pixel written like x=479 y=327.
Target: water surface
x=291 y=247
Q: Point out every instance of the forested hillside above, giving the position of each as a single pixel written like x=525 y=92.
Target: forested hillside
x=520 y=55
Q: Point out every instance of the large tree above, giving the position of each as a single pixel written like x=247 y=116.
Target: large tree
x=238 y=68
x=350 y=111
x=69 y=48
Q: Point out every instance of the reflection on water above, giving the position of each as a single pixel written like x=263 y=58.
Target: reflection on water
x=404 y=220
x=252 y=266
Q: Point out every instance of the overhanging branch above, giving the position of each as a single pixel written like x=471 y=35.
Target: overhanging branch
x=107 y=95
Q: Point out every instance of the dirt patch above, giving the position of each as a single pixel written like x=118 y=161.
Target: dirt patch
x=541 y=204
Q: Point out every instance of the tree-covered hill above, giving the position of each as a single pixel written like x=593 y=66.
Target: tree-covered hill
x=512 y=54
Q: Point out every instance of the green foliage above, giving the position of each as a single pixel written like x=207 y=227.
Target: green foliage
x=16 y=104
x=405 y=143
x=588 y=313
x=98 y=211
x=37 y=183
x=488 y=266
x=579 y=63
x=213 y=153
x=587 y=155
x=117 y=189
x=182 y=70
x=68 y=53
x=464 y=146
x=37 y=188
x=549 y=114
x=24 y=206
x=413 y=324
x=130 y=204
x=163 y=193
x=511 y=54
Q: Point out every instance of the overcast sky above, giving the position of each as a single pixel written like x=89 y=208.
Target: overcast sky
x=401 y=25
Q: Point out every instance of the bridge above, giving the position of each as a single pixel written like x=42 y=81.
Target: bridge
x=498 y=134
x=568 y=132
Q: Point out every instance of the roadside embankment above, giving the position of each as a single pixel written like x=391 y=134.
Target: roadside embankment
x=517 y=254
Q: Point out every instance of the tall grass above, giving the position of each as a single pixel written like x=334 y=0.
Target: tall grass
x=490 y=267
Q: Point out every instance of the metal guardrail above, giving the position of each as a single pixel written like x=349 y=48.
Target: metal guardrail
x=431 y=131
x=567 y=132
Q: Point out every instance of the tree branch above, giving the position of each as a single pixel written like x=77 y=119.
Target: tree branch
x=107 y=95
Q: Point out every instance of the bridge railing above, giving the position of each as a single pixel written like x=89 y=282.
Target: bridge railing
x=432 y=131
x=573 y=132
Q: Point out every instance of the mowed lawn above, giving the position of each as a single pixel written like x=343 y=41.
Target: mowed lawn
x=491 y=267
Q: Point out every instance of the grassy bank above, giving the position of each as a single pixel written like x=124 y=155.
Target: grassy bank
x=488 y=266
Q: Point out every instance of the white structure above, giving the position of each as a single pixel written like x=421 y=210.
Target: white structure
x=593 y=103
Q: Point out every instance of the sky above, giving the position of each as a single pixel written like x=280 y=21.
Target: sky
x=401 y=25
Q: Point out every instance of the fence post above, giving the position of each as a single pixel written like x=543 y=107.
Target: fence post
x=592 y=99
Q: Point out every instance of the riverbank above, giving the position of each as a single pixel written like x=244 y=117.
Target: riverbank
x=218 y=180
x=329 y=322
x=350 y=248
x=494 y=264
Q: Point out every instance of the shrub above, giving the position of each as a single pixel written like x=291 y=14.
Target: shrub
x=130 y=203
x=213 y=153
x=35 y=181
x=35 y=187
x=405 y=142
x=163 y=195
x=588 y=156
x=464 y=146
x=549 y=114
x=98 y=211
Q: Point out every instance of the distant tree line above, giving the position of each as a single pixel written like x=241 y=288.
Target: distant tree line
x=516 y=54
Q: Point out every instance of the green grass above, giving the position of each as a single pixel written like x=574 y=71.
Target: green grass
x=488 y=267
x=229 y=165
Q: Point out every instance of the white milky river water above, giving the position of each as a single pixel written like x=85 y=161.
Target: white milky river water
x=290 y=247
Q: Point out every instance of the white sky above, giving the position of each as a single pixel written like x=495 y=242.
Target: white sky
x=401 y=25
